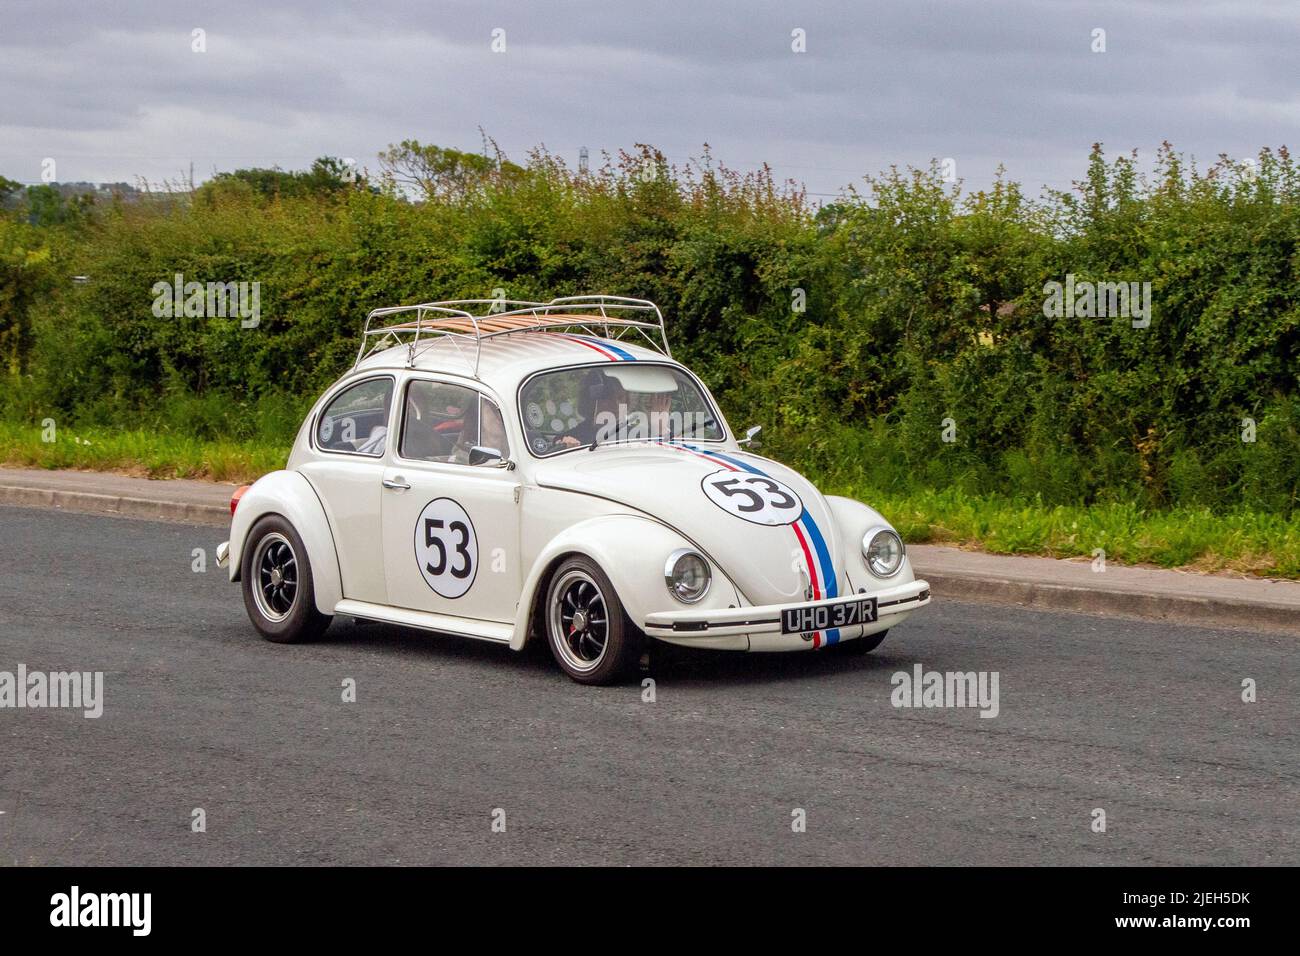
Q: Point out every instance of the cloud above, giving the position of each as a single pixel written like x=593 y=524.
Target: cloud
x=115 y=93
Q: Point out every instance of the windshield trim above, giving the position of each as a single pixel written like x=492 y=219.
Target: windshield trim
x=704 y=394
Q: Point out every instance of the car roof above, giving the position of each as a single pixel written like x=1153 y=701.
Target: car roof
x=506 y=360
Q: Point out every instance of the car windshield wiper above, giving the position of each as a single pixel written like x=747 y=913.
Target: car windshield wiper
x=688 y=433
x=622 y=424
x=691 y=433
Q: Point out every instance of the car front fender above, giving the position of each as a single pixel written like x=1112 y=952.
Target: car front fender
x=854 y=519
x=632 y=551
x=289 y=494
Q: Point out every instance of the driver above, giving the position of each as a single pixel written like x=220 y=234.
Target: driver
x=602 y=404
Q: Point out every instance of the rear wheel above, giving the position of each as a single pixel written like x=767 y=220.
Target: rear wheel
x=586 y=627
x=276 y=577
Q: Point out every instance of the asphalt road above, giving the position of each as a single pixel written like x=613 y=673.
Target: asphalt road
x=1142 y=720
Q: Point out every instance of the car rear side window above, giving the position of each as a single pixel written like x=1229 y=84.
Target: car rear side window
x=356 y=421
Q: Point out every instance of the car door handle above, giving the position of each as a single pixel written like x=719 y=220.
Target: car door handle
x=396 y=484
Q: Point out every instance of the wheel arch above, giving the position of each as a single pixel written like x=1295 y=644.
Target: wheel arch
x=291 y=496
x=534 y=621
x=636 y=572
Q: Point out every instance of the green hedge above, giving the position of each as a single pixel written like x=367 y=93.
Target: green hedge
x=922 y=313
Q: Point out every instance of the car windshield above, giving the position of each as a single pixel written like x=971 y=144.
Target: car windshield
x=576 y=407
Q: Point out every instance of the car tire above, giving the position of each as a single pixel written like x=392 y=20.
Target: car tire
x=275 y=574
x=589 y=633
x=861 y=645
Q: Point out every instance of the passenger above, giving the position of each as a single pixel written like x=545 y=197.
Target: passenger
x=468 y=436
x=659 y=410
x=485 y=431
x=493 y=429
x=374 y=443
x=425 y=437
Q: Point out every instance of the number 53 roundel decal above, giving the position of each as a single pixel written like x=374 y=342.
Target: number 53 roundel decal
x=755 y=498
x=446 y=547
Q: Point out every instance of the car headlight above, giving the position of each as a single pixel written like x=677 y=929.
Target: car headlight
x=687 y=575
x=883 y=550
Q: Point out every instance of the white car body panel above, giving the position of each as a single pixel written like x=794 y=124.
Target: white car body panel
x=349 y=492
x=290 y=494
x=625 y=505
x=631 y=549
x=488 y=496
x=664 y=481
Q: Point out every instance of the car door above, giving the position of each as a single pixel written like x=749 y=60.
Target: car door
x=451 y=529
x=350 y=437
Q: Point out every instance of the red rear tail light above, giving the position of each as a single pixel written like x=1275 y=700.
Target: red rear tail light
x=234 y=499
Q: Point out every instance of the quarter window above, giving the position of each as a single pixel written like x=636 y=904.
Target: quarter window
x=356 y=421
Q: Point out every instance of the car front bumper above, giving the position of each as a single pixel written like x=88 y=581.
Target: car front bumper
x=759 y=628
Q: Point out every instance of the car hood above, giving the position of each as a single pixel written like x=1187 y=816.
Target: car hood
x=770 y=564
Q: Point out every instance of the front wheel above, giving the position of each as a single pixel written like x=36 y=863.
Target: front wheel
x=590 y=636
x=276 y=577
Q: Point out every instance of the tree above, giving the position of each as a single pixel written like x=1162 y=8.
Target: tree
x=439 y=172
x=8 y=188
x=328 y=176
x=47 y=206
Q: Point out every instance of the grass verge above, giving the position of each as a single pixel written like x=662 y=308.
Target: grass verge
x=1195 y=539
x=1244 y=541
x=146 y=454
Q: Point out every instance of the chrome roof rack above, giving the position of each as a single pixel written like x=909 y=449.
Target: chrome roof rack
x=423 y=325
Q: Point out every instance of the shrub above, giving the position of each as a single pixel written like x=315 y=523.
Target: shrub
x=853 y=331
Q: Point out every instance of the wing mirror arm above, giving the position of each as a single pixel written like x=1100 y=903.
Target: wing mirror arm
x=751 y=435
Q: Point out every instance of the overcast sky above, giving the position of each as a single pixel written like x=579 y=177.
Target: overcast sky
x=113 y=91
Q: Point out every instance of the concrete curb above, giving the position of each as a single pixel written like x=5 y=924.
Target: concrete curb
x=127 y=507
x=1183 y=609
x=1040 y=583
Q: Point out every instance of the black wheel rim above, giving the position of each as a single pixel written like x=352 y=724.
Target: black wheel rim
x=275 y=584
x=579 y=621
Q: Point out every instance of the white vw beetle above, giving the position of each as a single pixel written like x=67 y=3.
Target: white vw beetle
x=550 y=470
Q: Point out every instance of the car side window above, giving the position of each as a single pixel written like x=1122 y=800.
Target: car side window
x=356 y=421
x=442 y=422
x=492 y=427
x=434 y=419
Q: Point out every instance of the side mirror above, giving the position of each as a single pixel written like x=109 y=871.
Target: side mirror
x=751 y=434
x=479 y=455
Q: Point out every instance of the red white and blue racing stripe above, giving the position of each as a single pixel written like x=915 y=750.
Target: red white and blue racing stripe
x=608 y=349
x=817 y=556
